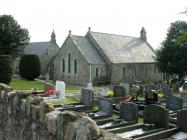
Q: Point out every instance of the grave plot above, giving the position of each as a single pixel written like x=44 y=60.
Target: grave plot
x=178 y=133
x=128 y=116
x=84 y=105
x=156 y=119
x=105 y=109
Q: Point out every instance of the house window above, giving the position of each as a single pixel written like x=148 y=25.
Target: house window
x=69 y=63
x=63 y=66
x=75 y=66
x=135 y=72
x=97 y=72
x=124 y=72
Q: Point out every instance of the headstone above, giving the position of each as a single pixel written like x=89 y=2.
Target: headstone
x=105 y=106
x=182 y=121
x=128 y=111
x=183 y=95
x=86 y=96
x=119 y=91
x=174 y=103
x=126 y=86
x=167 y=91
x=158 y=115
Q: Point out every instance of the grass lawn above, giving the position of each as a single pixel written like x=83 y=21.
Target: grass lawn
x=21 y=84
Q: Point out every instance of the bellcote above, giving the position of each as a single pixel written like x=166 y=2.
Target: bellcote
x=53 y=37
x=143 y=35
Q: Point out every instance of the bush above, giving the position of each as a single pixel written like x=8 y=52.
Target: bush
x=6 y=69
x=29 y=67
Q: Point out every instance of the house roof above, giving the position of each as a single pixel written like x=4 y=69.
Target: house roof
x=37 y=48
x=124 y=49
x=87 y=50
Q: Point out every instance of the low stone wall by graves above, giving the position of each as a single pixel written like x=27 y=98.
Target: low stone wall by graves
x=26 y=117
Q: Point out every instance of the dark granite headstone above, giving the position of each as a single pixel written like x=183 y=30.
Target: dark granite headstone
x=167 y=91
x=119 y=91
x=158 y=115
x=105 y=105
x=174 y=103
x=182 y=120
x=86 y=96
x=128 y=111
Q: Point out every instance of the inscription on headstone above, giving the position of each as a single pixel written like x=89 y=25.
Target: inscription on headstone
x=174 y=103
x=105 y=105
x=119 y=91
x=86 y=96
x=157 y=115
x=128 y=111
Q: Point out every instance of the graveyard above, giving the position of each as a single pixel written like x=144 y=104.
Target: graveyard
x=117 y=112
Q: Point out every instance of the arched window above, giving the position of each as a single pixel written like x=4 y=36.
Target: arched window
x=97 y=72
x=136 y=72
x=124 y=72
x=69 y=63
x=63 y=66
x=75 y=66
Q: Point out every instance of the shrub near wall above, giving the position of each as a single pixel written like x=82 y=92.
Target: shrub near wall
x=30 y=67
x=6 y=69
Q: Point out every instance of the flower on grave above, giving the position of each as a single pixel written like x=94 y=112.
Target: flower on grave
x=50 y=92
x=110 y=93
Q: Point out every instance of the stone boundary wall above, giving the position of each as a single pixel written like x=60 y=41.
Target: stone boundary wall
x=26 y=117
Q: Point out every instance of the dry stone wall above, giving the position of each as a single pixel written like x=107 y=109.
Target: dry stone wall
x=26 y=117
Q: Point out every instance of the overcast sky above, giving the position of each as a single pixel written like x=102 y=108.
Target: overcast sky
x=124 y=17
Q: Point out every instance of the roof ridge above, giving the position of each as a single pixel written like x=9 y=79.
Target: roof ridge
x=40 y=42
x=114 y=34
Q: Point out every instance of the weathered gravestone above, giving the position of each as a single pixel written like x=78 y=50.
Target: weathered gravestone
x=182 y=120
x=126 y=86
x=105 y=107
x=167 y=91
x=128 y=111
x=151 y=96
x=158 y=115
x=86 y=96
x=119 y=91
x=174 y=103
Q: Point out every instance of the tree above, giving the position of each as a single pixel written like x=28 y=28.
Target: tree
x=13 y=38
x=29 y=67
x=6 y=69
x=171 y=57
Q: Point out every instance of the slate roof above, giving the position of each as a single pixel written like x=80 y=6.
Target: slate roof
x=124 y=49
x=87 y=50
x=37 y=48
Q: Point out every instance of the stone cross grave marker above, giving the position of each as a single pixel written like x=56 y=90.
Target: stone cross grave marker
x=86 y=96
x=119 y=91
x=174 y=103
x=158 y=115
x=167 y=91
x=105 y=106
x=182 y=121
x=126 y=86
x=128 y=111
